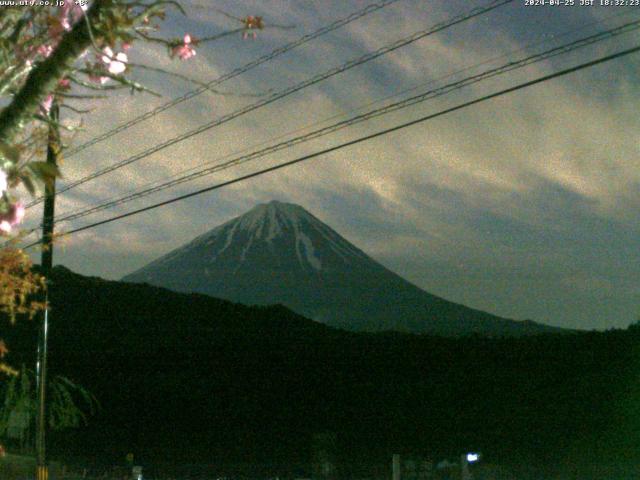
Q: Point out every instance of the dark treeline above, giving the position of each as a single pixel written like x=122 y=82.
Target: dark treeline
x=194 y=379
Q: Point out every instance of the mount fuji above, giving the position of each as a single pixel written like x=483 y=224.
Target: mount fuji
x=279 y=253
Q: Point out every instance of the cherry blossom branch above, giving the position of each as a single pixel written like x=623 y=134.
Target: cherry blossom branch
x=173 y=43
x=123 y=81
x=93 y=85
x=46 y=75
x=194 y=81
x=39 y=55
x=252 y=23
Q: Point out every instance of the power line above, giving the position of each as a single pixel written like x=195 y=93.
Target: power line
x=234 y=73
x=290 y=90
x=356 y=141
x=116 y=200
x=295 y=88
x=443 y=90
x=625 y=28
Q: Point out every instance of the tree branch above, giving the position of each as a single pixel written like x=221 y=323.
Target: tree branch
x=45 y=77
x=12 y=76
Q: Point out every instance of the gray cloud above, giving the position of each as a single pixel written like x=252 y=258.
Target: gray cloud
x=524 y=206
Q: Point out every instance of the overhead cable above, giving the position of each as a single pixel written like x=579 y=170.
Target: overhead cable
x=380 y=133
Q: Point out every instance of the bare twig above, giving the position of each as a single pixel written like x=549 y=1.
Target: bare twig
x=194 y=81
x=81 y=97
x=77 y=110
x=91 y=85
x=59 y=125
x=220 y=35
x=228 y=15
x=122 y=80
x=149 y=38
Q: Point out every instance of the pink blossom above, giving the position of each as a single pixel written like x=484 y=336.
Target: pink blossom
x=28 y=54
x=64 y=83
x=98 y=79
x=113 y=63
x=116 y=64
x=20 y=212
x=184 y=51
x=119 y=65
x=65 y=23
x=45 y=50
x=126 y=46
x=70 y=13
x=251 y=23
x=24 y=54
x=13 y=217
x=45 y=106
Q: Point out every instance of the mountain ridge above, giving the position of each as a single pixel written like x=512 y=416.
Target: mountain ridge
x=280 y=253
x=187 y=377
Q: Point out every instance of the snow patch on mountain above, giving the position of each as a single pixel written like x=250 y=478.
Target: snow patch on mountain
x=246 y=248
x=268 y=223
x=274 y=226
x=310 y=252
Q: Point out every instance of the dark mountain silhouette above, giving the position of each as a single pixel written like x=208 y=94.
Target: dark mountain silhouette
x=280 y=253
x=186 y=377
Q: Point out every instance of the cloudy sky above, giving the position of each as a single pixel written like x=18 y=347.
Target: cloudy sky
x=525 y=206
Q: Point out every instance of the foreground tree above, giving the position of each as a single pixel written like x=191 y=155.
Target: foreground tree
x=53 y=58
x=69 y=406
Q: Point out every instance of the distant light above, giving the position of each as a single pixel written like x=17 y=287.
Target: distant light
x=473 y=457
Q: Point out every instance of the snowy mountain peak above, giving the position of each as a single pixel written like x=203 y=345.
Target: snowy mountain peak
x=278 y=252
x=270 y=220
x=290 y=227
x=276 y=234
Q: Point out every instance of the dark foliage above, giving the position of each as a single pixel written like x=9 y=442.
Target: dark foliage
x=192 y=378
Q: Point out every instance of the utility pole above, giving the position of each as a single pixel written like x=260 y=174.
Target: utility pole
x=53 y=150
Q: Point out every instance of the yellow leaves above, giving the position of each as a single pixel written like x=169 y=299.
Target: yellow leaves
x=9 y=158
x=9 y=154
x=4 y=368
x=18 y=284
x=45 y=172
x=7 y=370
